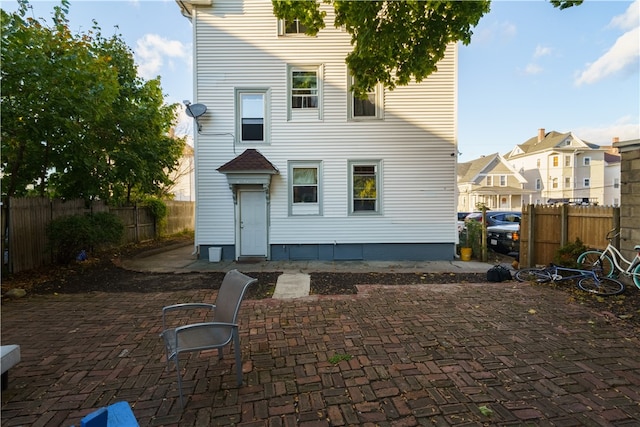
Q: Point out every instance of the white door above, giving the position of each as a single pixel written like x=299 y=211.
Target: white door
x=253 y=223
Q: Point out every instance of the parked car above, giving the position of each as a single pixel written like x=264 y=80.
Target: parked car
x=496 y=217
x=504 y=238
x=461 y=217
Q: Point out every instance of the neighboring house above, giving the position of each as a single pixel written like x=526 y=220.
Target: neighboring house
x=183 y=188
x=289 y=166
x=561 y=168
x=490 y=180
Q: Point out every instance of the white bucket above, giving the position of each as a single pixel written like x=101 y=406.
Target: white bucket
x=215 y=254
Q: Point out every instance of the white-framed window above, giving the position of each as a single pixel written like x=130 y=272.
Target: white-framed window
x=567 y=182
x=489 y=180
x=369 y=108
x=616 y=182
x=554 y=161
x=252 y=115
x=567 y=161
x=305 y=92
x=305 y=189
x=538 y=184
x=286 y=28
x=503 y=180
x=365 y=190
x=586 y=182
x=586 y=161
x=554 y=183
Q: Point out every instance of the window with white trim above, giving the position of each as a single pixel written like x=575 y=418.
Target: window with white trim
x=567 y=161
x=489 y=181
x=554 y=160
x=503 y=180
x=616 y=182
x=567 y=182
x=252 y=118
x=305 y=92
x=365 y=187
x=538 y=184
x=369 y=108
x=304 y=188
x=290 y=27
x=586 y=182
x=586 y=161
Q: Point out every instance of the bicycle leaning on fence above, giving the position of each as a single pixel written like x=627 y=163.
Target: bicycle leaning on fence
x=610 y=262
x=587 y=279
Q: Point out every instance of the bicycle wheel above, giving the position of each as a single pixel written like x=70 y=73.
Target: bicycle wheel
x=538 y=275
x=636 y=276
x=604 y=286
x=597 y=262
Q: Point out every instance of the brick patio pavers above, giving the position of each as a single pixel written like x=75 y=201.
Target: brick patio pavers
x=444 y=355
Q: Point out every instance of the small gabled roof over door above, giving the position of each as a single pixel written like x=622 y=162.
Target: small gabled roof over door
x=249 y=168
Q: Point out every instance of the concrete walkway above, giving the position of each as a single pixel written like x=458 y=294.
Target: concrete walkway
x=486 y=354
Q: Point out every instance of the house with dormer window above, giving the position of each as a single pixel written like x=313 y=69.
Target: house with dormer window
x=490 y=181
x=561 y=168
x=289 y=165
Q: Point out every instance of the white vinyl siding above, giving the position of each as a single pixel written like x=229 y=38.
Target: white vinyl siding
x=237 y=45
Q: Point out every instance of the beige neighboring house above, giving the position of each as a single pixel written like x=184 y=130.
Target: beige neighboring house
x=490 y=180
x=183 y=189
x=562 y=168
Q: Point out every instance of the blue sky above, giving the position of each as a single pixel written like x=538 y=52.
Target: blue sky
x=529 y=66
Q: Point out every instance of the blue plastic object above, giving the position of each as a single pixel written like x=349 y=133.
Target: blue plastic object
x=117 y=415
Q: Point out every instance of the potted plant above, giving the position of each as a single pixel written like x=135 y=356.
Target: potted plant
x=470 y=241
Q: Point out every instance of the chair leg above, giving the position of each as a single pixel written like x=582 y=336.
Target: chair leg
x=236 y=348
x=179 y=381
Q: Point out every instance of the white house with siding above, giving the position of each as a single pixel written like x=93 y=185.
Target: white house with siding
x=289 y=166
x=562 y=168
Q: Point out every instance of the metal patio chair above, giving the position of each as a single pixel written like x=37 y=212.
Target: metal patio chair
x=220 y=331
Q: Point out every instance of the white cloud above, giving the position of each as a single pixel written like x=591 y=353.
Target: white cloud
x=623 y=55
x=532 y=69
x=503 y=31
x=152 y=51
x=541 y=51
x=624 y=129
x=629 y=19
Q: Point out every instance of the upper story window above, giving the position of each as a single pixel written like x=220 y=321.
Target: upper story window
x=616 y=182
x=554 y=161
x=292 y=27
x=567 y=182
x=489 y=180
x=586 y=182
x=304 y=89
x=538 y=184
x=503 y=180
x=369 y=108
x=305 y=92
x=567 y=161
x=252 y=123
x=586 y=161
x=554 y=183
x=365 y=185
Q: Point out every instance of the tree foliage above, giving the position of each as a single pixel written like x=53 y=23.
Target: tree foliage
x=394 y=41
x=77 y=121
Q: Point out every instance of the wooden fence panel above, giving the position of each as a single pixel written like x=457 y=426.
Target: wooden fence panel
x=180 y=217
x=554 y=226
x=27 y=220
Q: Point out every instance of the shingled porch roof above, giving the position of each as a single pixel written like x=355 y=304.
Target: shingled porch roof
x=249 y=161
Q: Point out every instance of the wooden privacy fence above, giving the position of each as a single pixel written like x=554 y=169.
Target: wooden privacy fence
x=25 y=222
x=545 y=229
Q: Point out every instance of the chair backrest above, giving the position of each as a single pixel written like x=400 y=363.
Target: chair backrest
x=230 y=295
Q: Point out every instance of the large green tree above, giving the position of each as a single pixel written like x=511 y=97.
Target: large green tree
x=77 y=121
x=394 y=41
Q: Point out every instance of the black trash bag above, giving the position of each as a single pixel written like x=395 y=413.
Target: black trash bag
x=498 y=273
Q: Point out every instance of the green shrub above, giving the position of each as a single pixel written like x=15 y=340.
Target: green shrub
x=159 y=211
x=70 y=235
x=568 y=254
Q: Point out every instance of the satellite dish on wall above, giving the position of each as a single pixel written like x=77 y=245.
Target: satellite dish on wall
x=196 y=110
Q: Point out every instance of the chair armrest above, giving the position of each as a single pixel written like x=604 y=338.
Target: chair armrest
x=184 y=306
x=206 y=325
